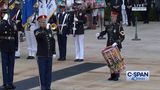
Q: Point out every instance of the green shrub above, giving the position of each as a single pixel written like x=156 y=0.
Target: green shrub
x=152 y=14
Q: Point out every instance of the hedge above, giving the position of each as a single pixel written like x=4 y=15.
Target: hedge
x=152 y=14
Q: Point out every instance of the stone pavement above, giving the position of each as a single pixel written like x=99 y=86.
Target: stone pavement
x=92 y=74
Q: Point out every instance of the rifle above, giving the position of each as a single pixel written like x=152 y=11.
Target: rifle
x=77 y=10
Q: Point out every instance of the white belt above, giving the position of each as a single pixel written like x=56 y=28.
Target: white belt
x=63 y=25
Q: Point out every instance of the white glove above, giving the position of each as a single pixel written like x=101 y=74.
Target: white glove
x=54 y=56
x=75 y=19
x=97 y=34
x=48 y=26
x=5 y=17
x=114 y=44
x=17 y=21
x=74 y=29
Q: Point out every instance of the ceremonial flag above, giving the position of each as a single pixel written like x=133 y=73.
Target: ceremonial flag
x=69 y=2
x=47 y=7
x=42 y=7
x=28 y=9
x=51 y=8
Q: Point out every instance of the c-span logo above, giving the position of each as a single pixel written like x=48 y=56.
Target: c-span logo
x=137 y=75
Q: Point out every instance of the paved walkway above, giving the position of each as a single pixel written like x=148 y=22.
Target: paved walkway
x=92 y=74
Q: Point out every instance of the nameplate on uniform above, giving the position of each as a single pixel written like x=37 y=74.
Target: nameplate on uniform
x=139 y=9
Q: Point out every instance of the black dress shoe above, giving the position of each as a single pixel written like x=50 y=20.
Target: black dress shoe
x=61 y=59
x=8 y=87
x=116 y=78
x=30 y=57
x=13 y=87
x=17 y=57
x=111 y=77
x=76 y=60
x=80 y=60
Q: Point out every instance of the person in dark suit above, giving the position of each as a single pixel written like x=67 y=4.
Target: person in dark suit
x=108 y=2
x=145 y=14
x=116 y=35
x=157 y=6
x=62 y=31
x=45 y=51
x=130 y=14
x=8 y=46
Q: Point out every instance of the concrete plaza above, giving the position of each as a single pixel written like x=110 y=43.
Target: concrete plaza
x=92 y=74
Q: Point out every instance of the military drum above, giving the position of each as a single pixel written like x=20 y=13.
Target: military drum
x=114 y=59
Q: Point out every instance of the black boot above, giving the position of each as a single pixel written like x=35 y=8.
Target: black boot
x=111 y=77
x=116 y=78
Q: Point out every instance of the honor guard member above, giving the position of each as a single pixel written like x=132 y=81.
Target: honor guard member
x=30 y=37
x=78 y=31
x=45 y=51
x=124 y=13
x=116 y=35
x=8 y=46
x=18 y=20
x=63 y=30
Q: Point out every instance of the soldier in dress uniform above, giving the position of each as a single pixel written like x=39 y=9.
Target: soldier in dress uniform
x=45 y=51
x=8 y=46
x=63 y=31
x=30 y=37
x=78 y=31
x=18 y=20
x=115 y=37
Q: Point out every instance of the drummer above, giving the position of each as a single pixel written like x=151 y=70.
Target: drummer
x=116 y=35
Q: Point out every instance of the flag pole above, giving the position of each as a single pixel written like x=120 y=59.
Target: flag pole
x=8 y=11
